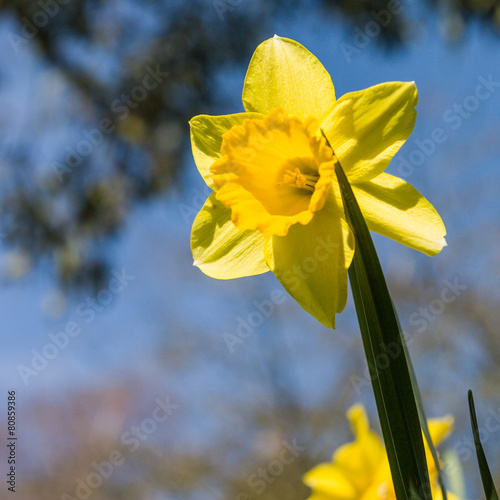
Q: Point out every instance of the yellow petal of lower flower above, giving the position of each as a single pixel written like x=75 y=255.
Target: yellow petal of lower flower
x=449 y=495
x=330 y=483
x=374 y=449
x=355 y=461
x=361 y=468
x=367 y=128
x=221 y=250
x=397 y=210
x=318 y=495
x=440 y=428
x=359 y=421
x=206 y=139
x=284 y=74
x=360 y=460
x=311 y=262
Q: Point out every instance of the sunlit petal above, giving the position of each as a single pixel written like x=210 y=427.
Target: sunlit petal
x=311 y=262
x=206 y=139
x=221 y=250
x=367 y=128
x=284 y=74
x=397 y=210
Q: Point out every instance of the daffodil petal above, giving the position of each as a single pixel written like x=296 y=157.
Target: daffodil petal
x=311 y=262
x=284 y=74
x=361 y=459
x=318 y=495
x=206 y=139
x=367 y=128
x=221 y=250
x=356 y=463
x=355 y=466
x=449 y=495
x=374 y=450
x=359 y=420
x=440 y=428
x=360 y=469
x=395 y=209
x=328 y=480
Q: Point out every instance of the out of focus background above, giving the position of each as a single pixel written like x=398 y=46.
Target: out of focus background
x=139 y=378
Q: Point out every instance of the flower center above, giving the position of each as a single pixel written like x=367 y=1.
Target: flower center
x=274 y=172
x=299 y=180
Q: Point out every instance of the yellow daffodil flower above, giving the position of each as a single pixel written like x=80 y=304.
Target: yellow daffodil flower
x=360 y=470
x=276 y=203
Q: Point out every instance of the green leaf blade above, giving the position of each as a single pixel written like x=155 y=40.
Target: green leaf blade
x=486 y=478
x=383 y=341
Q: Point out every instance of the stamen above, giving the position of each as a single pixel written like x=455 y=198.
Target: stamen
x=299 y=180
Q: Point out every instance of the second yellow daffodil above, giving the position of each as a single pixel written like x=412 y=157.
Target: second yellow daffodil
x=360 y=470
x=276 y=203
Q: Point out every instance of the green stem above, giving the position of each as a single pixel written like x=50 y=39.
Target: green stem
x=386 y=356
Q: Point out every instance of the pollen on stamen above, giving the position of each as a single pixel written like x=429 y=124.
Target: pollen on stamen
x=299 y=180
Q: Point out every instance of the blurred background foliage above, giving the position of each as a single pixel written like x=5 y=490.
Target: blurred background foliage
x=102 y=54
x=94 y=145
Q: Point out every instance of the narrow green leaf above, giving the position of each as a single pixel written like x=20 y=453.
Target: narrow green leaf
x=387 y=361
x=488 y=485
x=421 y=415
